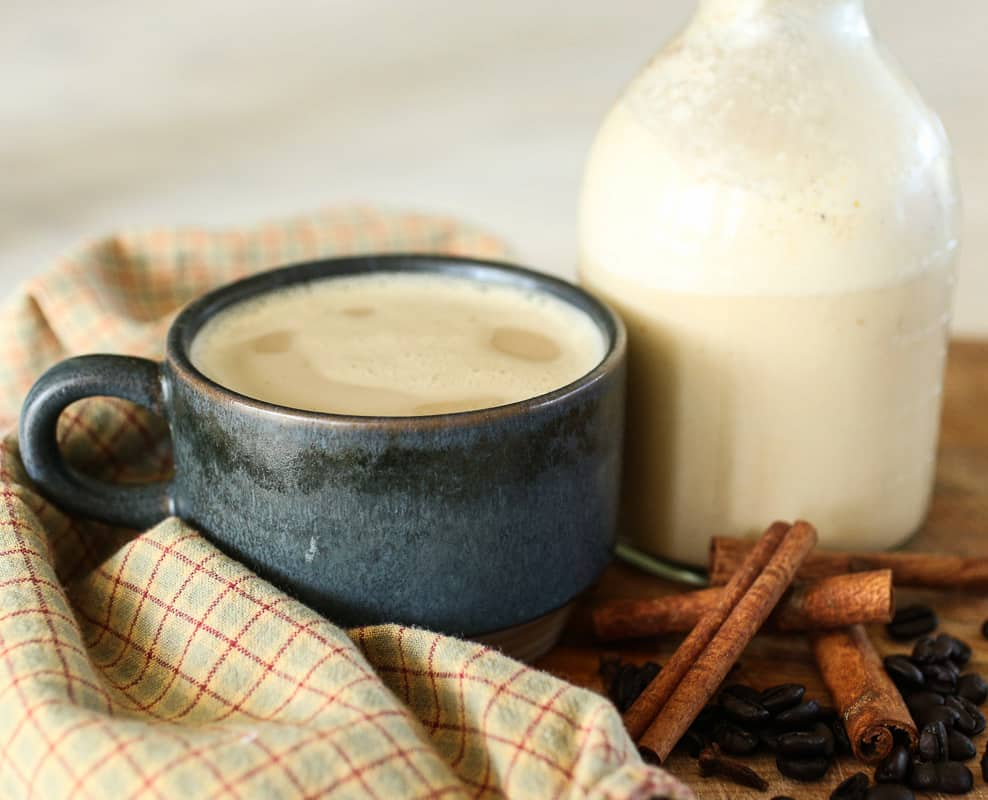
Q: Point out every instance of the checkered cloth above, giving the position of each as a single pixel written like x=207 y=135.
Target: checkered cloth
x=150 y=665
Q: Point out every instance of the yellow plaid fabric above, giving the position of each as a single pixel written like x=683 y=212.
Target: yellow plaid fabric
x=150 y=665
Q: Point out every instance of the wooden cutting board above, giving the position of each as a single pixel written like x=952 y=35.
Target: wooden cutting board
x=958 y=523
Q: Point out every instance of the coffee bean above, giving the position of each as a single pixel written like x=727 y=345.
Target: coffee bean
x=798 y=716
x=801 y=744
x=933 y=742
x=646 y=674
x=734 y=740
x=912 y=621
x=984 y=765
x=904 y=673
x=972 y=687
x=943 y=647
x=779 y=698
x=802 y=769
x=830 y=718
x=746 y=712
x=954 y=778
x=945 y=714
x=984 y=632
x=889 y=791
x=830 y=745
x=894 y=767
x=970 y=720
x=769 y=737
x=920 y=702
x=707 y=719
x=923 y=777
x=923 y=650
x=941 y=676
x=628 y=680
x=743 y=692
x=624 y=687
x=853 y=788
x=960 y=747
x=961 y=651
x=978 y=719
x=693 y=742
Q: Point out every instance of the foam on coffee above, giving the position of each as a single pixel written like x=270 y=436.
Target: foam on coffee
x=397 y=344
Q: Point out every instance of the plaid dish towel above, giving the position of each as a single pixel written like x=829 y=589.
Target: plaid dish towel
x=150 y=665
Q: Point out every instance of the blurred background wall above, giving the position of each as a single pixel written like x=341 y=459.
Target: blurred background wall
x=118 y=113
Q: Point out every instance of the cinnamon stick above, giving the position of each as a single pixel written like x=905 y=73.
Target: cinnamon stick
x=923 y=570
x=872 y=708
x=775 y=567
x=833 y=602
x=641 y=713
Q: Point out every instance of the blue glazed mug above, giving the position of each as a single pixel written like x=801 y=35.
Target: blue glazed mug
x=465 y=523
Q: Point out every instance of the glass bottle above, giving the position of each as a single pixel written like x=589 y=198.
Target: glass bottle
x=773 y=210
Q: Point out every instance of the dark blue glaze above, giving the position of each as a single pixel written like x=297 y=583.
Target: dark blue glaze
x=464 y=523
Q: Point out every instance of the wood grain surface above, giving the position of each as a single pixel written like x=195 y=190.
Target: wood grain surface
x=957 y=523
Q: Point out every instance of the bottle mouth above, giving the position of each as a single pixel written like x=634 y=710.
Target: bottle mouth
x=843 y=12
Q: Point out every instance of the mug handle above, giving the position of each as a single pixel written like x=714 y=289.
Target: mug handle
x=128 y=377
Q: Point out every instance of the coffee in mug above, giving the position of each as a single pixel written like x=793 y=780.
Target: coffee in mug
x=398 y=344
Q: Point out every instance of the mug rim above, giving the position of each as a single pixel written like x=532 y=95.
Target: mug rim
x=190 y=320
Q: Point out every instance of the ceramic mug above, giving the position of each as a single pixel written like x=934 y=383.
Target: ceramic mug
x=464 y=523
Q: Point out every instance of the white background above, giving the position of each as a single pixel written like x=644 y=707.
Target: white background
x=117 y=113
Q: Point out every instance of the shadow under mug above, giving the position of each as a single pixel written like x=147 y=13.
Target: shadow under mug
x=464 y=523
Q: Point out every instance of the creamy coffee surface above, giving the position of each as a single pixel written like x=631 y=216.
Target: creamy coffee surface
x=397 y=344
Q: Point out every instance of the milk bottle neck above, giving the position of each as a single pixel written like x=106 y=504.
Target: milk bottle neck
x=845 y=17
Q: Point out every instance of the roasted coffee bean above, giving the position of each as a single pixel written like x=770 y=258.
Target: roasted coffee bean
x=912 y=621
x=779 y=698
x=970 y=720
x=972 y=687
x=941 y=676
x=920 y=702
x=647 y=673
x=743 y=692
x=943 y=647
x=853 y=788
x=769 y=736
x=904 y=673
x=984 y=765
x=803 y=769
x=746 y=712
x=798 y=716
x=960 y=747
x=960 y=652
x=984 y=632
x=933 y=742
x=799 y=744
x=923 y=776
x=693 y=742
x=830 y=718
x=962 y=703
x=889 y=791
x=627 y=680
x=707 y=719
x=895 y=766
x=954 y=778
x=626 y=687
x=945 y=714
x=830 y=745
x=923 y=650
x=735 y=740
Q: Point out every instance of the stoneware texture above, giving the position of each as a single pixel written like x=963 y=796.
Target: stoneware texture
x=464 y=523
